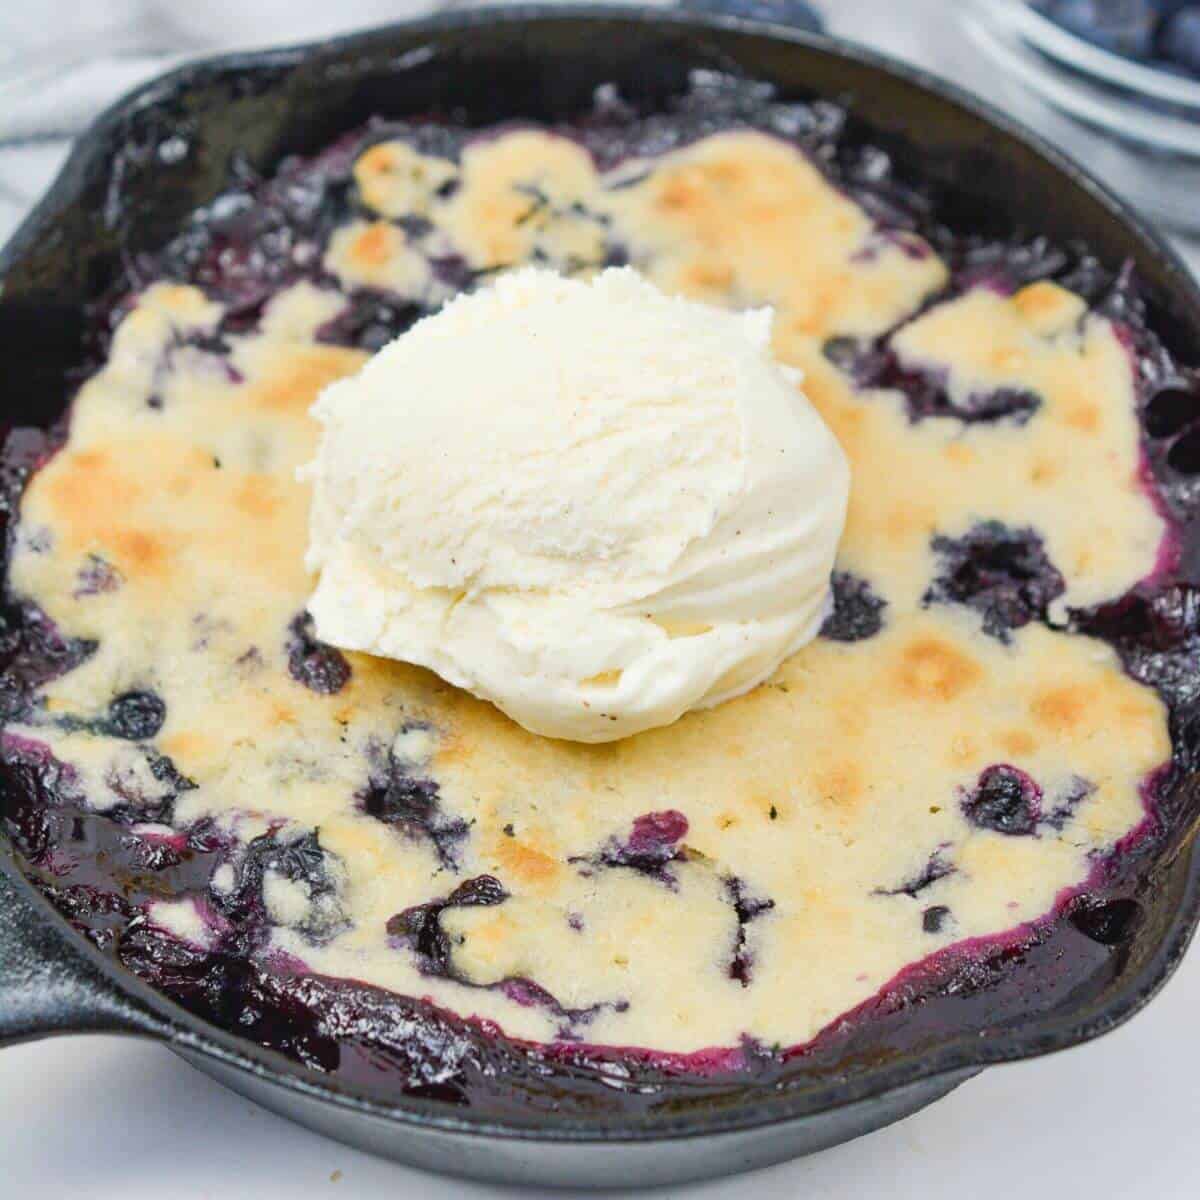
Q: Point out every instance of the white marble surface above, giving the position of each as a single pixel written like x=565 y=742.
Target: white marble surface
x=107 y=1118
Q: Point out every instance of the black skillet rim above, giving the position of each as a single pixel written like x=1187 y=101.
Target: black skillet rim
x=168 y=1021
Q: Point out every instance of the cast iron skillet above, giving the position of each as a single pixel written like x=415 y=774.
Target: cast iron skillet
x=544 y=63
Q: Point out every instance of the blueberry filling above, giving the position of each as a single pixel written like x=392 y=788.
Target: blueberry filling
x=369 y=321
x=32 y=653
x=420 y=928
x=654 y=842
x=96 y=577
x=213 y=346
x=748 y=907
x=937 y=867
x=300 y=860
x=1158 y=635
x=1005 y=266
x=320 y=668
x=1001 y=573
x=1171 y=410
x=1005 y=801
x=136 y=804
x=857 y=610
x=134 y=716
x=412 y=806
x=935 y=918
x=1109 y=922
x=874 y=365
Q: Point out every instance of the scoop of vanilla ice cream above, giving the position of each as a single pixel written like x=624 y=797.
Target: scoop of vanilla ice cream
x=592 y=504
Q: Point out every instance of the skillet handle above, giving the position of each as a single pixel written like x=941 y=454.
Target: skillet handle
x=47 y=985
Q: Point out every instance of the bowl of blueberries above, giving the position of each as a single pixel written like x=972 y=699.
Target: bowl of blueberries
x=1117 y=82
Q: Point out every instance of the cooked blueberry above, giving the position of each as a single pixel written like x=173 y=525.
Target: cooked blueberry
x=412 y=806
x=33 y=791
x=1000 y=405
x=95 y=577
x=937 y=867
x=1179 y=39
x=369 y=321
x=1170 y=410
x=320 y=668
x=857 y=611
x=300 y=859
x=999 y=572
x=1184 y=455
x=419 y=927
x=1006 y=801
x=1005 y=265
x=155 y=854
x=1072 y=796
x=135 y=716
x=653 y=842
x=747 y=907
x=32 y=653
x=935 y=918
x=1158 y=634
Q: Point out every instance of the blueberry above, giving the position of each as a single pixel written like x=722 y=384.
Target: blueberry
x=420 y=926
x=796 y=13
x=135 y=716
x=413 y=807
x=934 y=918
x=320 y=668
x=654 y=841
x=1001 y=573
x=747 y=907
x=872 y=364
x=1124 y=27
x=1004 y=801
x=934 y=869
x=1171 y=410
x=1179 y=39
x=857 y=611
x=1109 y=923
x=301 y=859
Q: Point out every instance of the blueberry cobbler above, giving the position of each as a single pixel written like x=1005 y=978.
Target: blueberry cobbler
x=353 y=862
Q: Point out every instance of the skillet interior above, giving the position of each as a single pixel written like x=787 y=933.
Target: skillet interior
x=123 y=194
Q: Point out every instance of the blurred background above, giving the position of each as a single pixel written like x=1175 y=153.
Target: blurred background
x=1115 y=82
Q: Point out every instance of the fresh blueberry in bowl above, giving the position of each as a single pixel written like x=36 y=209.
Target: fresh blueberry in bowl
x=1179 y=38
x=1163 y=33
x=1123 y=26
